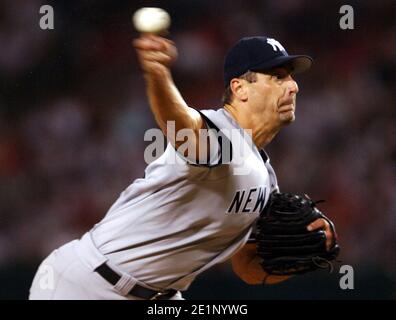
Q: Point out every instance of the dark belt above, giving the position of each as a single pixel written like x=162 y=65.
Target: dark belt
x=138 y=291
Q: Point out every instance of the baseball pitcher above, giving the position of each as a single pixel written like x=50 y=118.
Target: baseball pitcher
x=219 y=200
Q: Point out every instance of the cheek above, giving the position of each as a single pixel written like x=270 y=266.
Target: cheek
x=276 y=94
x=266 y=94
x=257 y=98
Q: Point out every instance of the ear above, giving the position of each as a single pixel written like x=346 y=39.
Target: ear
x=239 y=89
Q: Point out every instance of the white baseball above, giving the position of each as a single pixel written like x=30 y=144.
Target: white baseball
x=151 y=20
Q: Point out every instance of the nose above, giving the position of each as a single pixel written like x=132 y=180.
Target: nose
x=292 y=85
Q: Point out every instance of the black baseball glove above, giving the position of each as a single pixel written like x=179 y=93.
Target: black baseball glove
x=283 y=241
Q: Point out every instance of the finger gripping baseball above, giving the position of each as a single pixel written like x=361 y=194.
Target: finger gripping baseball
x=283 y=241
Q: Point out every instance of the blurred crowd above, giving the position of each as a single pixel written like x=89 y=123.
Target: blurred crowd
x=73 y=113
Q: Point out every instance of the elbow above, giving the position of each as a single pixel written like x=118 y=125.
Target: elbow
x=244 y=276
x=248 y=273
x=253 y=274
x=252 y=281
x=261 y=278
x=246 y=264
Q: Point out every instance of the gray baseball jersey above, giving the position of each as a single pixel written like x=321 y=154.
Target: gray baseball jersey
x=181 y=219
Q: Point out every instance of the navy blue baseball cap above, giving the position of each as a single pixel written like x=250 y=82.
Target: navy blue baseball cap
x=260 y=54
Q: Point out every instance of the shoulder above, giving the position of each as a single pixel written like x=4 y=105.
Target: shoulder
x=216 y=113
x=216 y=118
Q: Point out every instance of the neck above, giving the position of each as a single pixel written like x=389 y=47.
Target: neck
x=262 y=130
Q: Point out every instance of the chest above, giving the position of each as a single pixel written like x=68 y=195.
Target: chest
x=231 y=197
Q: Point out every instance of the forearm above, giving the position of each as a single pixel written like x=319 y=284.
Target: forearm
x=167 y=104
x=246 y=264
x=156 y=55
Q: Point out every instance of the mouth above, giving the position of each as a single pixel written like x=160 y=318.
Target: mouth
x=286 y=106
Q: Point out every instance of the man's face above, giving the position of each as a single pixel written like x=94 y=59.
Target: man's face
x=274 y=95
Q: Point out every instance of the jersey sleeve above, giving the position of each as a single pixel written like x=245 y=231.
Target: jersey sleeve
x=219 y=149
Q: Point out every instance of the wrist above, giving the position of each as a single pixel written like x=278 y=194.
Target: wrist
x=156 y=73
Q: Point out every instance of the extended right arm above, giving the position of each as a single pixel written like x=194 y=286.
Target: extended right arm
x=156 y=55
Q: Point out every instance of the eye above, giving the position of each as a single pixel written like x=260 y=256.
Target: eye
x=280 y=75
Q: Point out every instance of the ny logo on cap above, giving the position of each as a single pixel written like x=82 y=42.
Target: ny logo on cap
x=275 y=44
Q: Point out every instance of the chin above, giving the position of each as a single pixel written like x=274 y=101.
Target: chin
x=287 y=118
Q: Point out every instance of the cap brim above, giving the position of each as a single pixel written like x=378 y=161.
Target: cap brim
x=299 y=63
